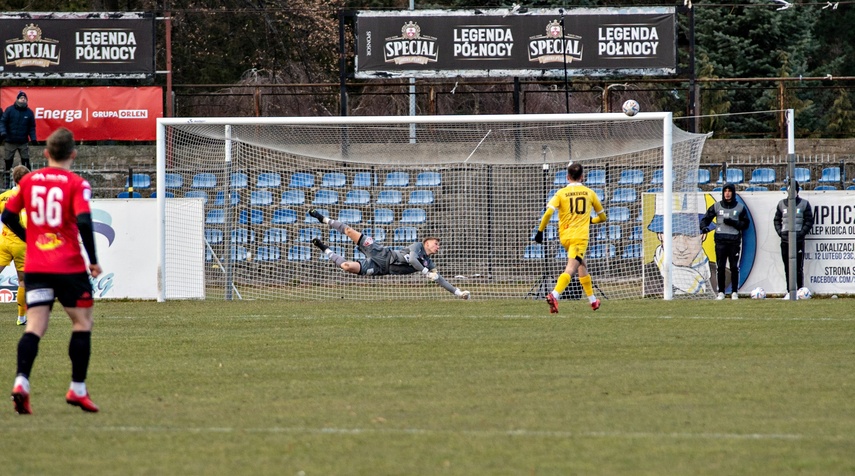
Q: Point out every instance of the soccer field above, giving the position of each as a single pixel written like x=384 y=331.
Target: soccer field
x=444 y=387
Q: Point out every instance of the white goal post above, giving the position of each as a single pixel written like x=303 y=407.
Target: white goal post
x=480 y=183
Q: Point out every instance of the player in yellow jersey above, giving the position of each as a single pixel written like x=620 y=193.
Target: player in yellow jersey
x=574 y=204
x=11 y=247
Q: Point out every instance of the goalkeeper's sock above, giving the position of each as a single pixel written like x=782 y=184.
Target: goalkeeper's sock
x=338 y=260
x=335 y=224
x=561 y=285
x=588 y=287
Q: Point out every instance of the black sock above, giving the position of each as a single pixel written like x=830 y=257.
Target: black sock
x=28 y=348
x=79 y=349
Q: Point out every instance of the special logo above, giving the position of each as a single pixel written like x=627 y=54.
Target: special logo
x=411 y=47
x=31 y=49
x=556 y=46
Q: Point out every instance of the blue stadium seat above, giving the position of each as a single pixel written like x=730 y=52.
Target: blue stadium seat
x=238 y=253
x=632 y=251
x=636 y=234
x=379 y=234
x=363 y=179
x=414 y=215
x=560 y=179
x=595 y=177
x=284 y=216
x=299 y=253
x=260 y=198
x=703 y=177
x=383 y=216
x=242 y=235
x=333 y=180
x=251 y=217
x=405 y=234
x=293 y=197
x=428 y=179
x=239 y=180
x=830 y=175
x=550 y=233
x=173 y=180
x=421 y=197
x=351 y=216
x=267 y=253
x=357 y=197
x=734 y=176
x=618 y=214
x=851 y=187
x=271 y=180
x=631 y=177
x=802 y=175
x=397 y=179
x=533 y=252
x=654 y=189
x=325 y=197
x=601 y=250
x=302 y=180
x=307 y=234
x=624 y=195
x=129 y=195
x=209 y=255
x=198 y=194
x=141 y=181
x=389 y=197
x=204 y=180
x=165 y=194
x=219 y=198
x=338 y=237
x=275 y=235
x=311 y=219
x=601 y=194
x=609 y=232
x=213 y=236
x=762 y=176
x=756 y=188
x=825 y=188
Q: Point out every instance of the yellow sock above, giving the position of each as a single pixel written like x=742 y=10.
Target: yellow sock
x=563 y=282
x=22 y=301
x=585 y=281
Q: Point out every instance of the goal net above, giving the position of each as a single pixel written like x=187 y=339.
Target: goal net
x=480 y=183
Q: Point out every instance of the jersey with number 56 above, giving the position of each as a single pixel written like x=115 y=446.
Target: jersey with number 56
x=53 y=199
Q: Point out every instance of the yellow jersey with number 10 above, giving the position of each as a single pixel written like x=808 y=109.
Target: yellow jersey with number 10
x=8 y=234
x=573 y=204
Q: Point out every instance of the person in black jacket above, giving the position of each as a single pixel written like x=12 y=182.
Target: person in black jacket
x=804 y=223
x=731 y=220
x=17 y=128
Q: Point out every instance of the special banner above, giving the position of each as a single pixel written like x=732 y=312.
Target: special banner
x=77 y=45
x=516 y=42
x=93 y=113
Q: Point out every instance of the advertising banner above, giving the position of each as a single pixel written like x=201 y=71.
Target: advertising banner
x=93 y=113
x=829 y=261
x=516 y=42
x=77 y=45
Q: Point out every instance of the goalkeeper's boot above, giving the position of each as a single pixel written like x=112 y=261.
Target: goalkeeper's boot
x=85 y=403
x=21 y=399
x=317 y=215
x=320 y=244
x=553 y=303
x=595 y=305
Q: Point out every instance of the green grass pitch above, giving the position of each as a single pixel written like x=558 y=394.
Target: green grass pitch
x=444 y=387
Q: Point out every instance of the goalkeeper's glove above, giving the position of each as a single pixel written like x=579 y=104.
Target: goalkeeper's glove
x=432 y=275
x=538 y=237
x=462 y=294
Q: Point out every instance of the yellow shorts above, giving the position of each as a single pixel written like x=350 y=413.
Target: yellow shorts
x=575 y=248
x=12 y=251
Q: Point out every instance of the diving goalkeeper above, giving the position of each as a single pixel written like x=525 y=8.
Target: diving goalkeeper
x=381 y=260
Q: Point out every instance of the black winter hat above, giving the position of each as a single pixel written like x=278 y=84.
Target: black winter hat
x=20 y=93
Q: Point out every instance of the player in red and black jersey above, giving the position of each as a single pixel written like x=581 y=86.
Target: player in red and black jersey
x=57 y=204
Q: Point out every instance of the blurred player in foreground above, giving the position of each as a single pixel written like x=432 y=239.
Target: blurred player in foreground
x=381 y=260
x=57 y=204
x=12 y=248
x=574 y=203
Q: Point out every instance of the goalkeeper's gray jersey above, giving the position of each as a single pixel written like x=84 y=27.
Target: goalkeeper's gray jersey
x=381 y=260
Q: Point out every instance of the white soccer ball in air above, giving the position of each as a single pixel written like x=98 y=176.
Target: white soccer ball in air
x=803 y=293
x=630 y=107
x=758 y=293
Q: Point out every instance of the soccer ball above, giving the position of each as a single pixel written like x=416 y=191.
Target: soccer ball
x=758 y=293
x=630 y=107
x=803 y=293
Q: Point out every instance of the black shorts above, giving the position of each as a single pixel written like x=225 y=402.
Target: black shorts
x=72 y=290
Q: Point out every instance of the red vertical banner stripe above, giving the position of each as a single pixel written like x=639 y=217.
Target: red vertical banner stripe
x=93 y=113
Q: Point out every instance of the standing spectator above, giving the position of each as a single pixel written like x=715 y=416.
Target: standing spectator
x=57 y=204
x=803 y=225
x=731 y=220
x=17 y=128
x=13 y=248
x=574 y=204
